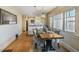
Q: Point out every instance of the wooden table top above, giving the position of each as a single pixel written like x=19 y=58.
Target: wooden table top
x=45 y=35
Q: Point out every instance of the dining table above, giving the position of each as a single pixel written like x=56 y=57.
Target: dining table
x=50 y=36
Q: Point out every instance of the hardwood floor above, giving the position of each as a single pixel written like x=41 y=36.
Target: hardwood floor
x=22 y=44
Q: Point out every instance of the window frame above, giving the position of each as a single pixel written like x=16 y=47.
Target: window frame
x=68 y=17
x=58 y=18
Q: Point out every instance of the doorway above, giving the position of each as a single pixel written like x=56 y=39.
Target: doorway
x=26 y=25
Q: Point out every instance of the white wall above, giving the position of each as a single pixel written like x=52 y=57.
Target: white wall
x=25 y=18
x=8 y=32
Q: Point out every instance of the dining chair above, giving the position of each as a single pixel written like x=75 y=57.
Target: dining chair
x=38 y=44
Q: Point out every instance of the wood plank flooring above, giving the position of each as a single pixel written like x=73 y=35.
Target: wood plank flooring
x=22 y=44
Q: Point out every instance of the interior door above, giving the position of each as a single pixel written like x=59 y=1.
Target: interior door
x=26 y=25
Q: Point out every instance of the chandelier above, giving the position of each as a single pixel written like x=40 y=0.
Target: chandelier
x=40 y=11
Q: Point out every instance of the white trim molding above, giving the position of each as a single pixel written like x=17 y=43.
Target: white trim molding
x=68 y=47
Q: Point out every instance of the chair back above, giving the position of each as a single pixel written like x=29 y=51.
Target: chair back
x=34 y=32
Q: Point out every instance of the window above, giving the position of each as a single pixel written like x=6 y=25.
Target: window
x=69 y=20
x=58 y=21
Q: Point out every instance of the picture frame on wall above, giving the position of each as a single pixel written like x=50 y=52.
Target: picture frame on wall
x=32 y=21
x=7 y=17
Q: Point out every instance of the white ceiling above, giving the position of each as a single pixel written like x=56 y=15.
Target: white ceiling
x=34 y=10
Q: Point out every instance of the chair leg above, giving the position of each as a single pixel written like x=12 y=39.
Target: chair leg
x=35 y=45
x=44 y=48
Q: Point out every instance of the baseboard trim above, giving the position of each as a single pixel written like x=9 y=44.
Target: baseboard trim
x=68 y=47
